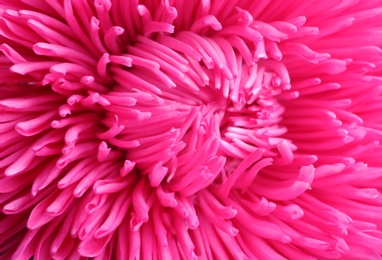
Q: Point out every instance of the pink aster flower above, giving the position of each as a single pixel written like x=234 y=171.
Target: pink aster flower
x=180 y=129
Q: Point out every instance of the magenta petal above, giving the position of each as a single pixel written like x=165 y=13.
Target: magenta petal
x=93 y=247
x=202 y=130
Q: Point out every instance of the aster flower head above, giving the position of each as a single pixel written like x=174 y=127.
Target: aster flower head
x=190 y=129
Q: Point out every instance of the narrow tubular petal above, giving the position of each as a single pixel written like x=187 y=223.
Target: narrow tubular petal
x=198 y=129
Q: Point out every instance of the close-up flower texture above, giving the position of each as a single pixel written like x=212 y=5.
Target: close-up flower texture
x=198 y=129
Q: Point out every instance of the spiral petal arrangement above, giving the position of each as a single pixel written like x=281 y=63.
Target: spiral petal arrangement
x=175 y=129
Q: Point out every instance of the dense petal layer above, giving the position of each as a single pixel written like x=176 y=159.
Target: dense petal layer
x=177 y=130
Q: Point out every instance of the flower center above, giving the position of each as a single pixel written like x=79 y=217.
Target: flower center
x=199 y=101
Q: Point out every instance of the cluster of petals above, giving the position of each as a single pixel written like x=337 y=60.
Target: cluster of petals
x=200 y=129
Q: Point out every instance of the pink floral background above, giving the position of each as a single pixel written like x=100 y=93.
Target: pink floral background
x=172 y=129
